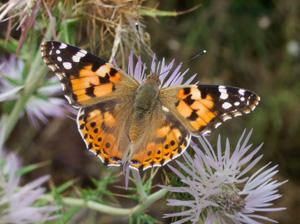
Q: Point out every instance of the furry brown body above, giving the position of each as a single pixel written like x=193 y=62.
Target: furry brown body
x=143 y=106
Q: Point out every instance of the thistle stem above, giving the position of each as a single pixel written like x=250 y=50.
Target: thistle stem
x=109 y=209
x=139 y=185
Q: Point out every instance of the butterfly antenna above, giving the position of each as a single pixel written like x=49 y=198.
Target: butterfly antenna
x=195 y=56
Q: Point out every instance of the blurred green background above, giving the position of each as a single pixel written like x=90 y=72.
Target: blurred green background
x=254 y=45
x=250 y=44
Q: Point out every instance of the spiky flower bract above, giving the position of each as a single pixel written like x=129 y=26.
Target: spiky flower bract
x=169 y=73
x=220 y=188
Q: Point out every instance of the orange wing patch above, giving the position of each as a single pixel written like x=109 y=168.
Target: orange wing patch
x=169 y=142
x=95 y=126
x=200 y=108
x=91 y=84
x=196 y=109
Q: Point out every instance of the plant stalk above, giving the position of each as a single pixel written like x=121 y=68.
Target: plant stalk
x=109 y=209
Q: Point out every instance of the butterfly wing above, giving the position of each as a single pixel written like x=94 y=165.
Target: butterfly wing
x=103 y=128
x=201 y=108
x=85 y=78
x=164 y=139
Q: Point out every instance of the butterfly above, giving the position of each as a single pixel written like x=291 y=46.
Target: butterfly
x=143 y=124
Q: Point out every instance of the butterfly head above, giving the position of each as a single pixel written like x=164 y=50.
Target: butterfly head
x=153 y=79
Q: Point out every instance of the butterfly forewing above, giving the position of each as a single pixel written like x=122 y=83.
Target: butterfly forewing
x=86 y=79
x=201 y=108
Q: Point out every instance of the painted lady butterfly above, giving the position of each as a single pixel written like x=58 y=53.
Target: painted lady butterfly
x=121 y=120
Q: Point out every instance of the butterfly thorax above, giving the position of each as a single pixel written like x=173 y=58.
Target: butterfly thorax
x=146 y=98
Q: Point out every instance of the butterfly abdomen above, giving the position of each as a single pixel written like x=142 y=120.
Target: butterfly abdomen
x=146 y=98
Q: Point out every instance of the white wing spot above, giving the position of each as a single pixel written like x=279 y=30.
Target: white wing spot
x=57 y=51
x=242 y=92
x=59 y=58
x=224 y=96
x=236 y=103
x=67 y=65
x=226 y=105
x=80 y=54
x=84 y=52
x=242 y=99
x=223 y=91
x=76 y=58
x=62 y=46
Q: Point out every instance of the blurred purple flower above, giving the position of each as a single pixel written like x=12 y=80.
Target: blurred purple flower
x=219 y=188
x=42 y=104
x=17 y=202
x=169 y=74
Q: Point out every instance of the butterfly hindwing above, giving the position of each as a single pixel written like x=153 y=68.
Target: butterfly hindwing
x=86 y=78
x=103 y=129
x=168 y=141
x=204 y=107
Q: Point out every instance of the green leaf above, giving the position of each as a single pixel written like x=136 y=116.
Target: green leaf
x=28 y=169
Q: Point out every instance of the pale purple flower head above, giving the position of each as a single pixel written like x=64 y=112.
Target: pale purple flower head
x=219 y=187
x=18 y=202
x=169 y=73
x=41 y=104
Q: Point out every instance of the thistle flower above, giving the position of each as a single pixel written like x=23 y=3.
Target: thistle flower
x=42 y=104
x=169 y=74
x=17 y=202
x=219 y=188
